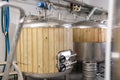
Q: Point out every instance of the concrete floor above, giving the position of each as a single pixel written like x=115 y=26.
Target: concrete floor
x=71 y=77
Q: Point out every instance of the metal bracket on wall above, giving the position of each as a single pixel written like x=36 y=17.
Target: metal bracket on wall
x=75 y=7
x=84 y=5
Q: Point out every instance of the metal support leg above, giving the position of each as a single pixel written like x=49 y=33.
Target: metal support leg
x=24 y=77
x=67 y=77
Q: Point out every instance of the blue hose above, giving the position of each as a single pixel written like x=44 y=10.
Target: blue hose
x=5 y=21
x=7 y=29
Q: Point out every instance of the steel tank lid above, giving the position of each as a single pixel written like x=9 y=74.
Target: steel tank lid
x=35 y=21
x=89 y=24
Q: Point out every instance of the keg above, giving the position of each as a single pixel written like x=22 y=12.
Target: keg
x=89 y=70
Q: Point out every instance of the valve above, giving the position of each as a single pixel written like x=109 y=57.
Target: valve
x=44 y=5
x=65 y=60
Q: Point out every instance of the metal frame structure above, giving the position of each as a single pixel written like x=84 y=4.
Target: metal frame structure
x=15 y=40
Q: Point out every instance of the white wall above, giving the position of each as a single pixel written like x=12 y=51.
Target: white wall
x=99 y=3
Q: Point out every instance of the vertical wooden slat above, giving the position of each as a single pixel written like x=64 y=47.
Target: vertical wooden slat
x=56 y=31
x=80 y=32
x=89 y=32
x=102 y=35
x=25 y=50
x=74 y=34
x=96 y=35
x=65 y=39
x=34 y=44
x=77 y=35
x=93 y=34
x=19 y=53
x=30 y=50
x=71 y=39
x=99 y=34
x=92 y=38
x=22 y=50
x=45 y=50
x=82 y=35
x=85 y=34
x=40 y=51
x=51 y=50
x=61 y=42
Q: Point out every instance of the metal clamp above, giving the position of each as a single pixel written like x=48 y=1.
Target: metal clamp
x=15 y=38
x=65 y=60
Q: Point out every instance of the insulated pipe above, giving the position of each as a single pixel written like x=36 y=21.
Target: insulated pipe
x=15 y=39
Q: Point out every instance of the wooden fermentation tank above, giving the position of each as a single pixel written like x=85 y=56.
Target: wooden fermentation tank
x=39 y=45
x=89 y=39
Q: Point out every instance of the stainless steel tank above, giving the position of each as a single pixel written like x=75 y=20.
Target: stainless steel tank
x=89 y=40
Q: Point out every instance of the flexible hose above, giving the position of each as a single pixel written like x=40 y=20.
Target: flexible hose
x=7 y=29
